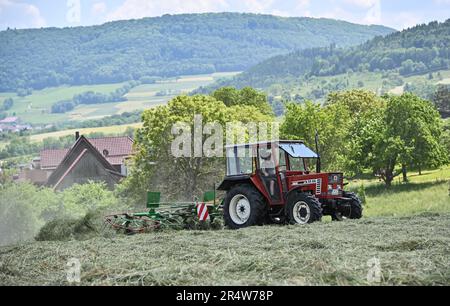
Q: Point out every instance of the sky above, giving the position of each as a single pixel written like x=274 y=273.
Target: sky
x=398 y=14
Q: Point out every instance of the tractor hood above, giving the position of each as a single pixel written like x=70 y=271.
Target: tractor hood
x=298 y=150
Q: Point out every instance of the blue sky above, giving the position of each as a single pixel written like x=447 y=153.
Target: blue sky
x=398 y=14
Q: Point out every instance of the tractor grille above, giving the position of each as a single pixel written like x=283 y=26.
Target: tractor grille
x=319 y=186
x=335 y=181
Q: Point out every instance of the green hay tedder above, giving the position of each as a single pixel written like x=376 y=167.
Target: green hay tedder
x=171 y=215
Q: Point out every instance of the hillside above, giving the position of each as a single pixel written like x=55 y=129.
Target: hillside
x=420 y=50
x=170 y=45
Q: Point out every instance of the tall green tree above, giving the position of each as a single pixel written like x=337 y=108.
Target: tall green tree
x=371 y=147
x=231 y=96
x=418 y=125
x=181 y=177
x=7 y=104
x=405 y=133
x=441 y=99
x=333 y=122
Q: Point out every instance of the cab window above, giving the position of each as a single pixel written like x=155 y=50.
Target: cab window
x=282 y=160
x=296 y=164
x=238 y=165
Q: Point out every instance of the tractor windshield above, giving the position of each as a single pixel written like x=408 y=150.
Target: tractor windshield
x=297 y=164
x=299 y=155
x=298 y=150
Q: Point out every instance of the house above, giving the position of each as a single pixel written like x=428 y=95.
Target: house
x=89 y=159
x=10 y=121
x=12 y=125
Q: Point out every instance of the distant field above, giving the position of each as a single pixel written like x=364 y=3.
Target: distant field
x=371 y=81
x=146 y=96
x=35 y=109
x=116 y=129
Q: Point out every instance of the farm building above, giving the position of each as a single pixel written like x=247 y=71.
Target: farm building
x=11 y=124
x=89 y=159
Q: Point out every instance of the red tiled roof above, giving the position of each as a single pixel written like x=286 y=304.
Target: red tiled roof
x=9 y=120
x=118 y=148
x=52 y=158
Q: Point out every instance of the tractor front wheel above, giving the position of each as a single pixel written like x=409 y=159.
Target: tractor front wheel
x=351 y=209
x=244 y=206
x=356 y=208
x=303 y=208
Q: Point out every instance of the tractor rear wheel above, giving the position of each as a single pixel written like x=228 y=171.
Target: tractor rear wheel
x=244 y=206
x=303 y=208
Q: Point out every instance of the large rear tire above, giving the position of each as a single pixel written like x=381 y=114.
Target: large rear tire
x=303 y=208
x=244 y=206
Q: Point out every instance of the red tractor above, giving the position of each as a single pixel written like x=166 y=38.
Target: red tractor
x=271 y=182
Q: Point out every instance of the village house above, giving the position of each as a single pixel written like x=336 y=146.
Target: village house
x=12 y=125
x=89 y=159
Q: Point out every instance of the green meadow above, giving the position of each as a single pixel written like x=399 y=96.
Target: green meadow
x=36 y=108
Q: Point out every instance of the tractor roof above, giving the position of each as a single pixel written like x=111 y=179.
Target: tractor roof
x=264 y=143
x=295 y=148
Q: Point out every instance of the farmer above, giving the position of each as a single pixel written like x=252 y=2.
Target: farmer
x=268 y=168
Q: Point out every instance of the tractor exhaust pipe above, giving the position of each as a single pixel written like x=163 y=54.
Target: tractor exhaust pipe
x=318 y=164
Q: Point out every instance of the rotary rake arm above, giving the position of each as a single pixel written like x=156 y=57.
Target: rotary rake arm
x=178 y=215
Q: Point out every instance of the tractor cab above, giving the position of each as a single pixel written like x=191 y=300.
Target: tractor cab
x=277 y=173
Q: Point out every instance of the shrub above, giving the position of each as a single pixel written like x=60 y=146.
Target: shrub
x=80 y=199
x=75 y=212
x=67 y=228
x=23 y=210
x=362 y=194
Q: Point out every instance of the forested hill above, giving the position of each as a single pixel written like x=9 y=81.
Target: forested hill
x=170 y=45
x=418 y=50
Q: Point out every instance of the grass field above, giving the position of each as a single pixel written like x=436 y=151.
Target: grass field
x=410 y=251
x=372 y=81
x=115 y=129
x=424 y=193
x=35 y=108
x=405 y=231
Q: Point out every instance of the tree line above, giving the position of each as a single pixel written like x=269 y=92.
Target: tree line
x=163 y=46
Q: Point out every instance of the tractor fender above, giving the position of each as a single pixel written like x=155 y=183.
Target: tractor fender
x=231 y=181
x=296 y=190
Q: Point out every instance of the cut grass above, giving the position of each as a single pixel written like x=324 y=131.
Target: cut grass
x=405 y=228
x=411 y=251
